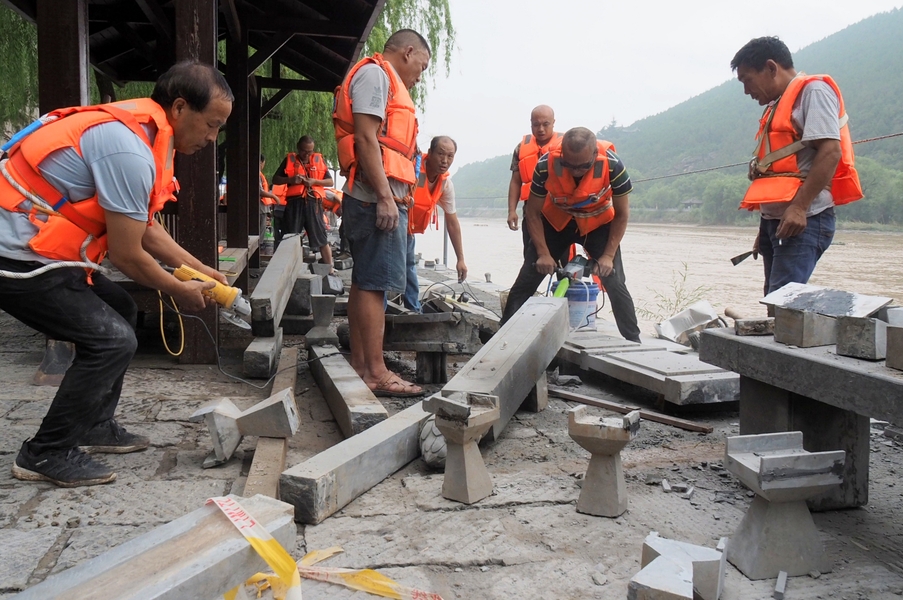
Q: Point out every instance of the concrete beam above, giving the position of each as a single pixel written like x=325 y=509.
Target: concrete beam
x=509 y=365
x=260 y=356
x=330 y=480
x=436 y=332
x=353 y=405
x=270 y=297
x=199 y=555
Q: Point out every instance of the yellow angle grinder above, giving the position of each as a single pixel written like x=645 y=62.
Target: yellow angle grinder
x=228 y=297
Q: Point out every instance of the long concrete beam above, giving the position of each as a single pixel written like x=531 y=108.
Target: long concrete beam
x=510 y=364
x=326 y=483
x=353 y=405
x=199 y=555
x=271 y=296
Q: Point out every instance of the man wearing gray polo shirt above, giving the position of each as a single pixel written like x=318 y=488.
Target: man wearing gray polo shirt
x=803 y=165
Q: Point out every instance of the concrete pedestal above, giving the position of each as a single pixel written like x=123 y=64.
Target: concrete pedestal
x=463 y=420
x=321 y=335
x=604 y=492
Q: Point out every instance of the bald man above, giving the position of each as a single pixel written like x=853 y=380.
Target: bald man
x=526 y=155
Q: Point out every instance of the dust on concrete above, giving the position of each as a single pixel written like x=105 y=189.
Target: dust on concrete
x=526 y=540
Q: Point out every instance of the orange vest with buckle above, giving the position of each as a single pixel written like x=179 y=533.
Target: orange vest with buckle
x=315 y=169
x=589 y=202
x=77 y=230
x=423 y=212
x=397 y=134
x=528 y=155
x=774 y=171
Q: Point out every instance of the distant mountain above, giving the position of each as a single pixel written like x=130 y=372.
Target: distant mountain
x=718 y=127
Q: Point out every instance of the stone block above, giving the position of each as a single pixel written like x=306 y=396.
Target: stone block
x=342 y=264
x=754 y=326
x=804 y=329
x=275 y=417
x=199 y=555
x=892 y=315
x=261 y=355
x=781 y=586
x=707 y=565
x=320 y=269
x=894 y=358
x=662 y=579
x=353 y=405
x=538 y=398
x=221 y=419
x=271 y=295
x=305 y=286
x=324 y=484
x=862 y=337
x=341 y=307
x=333 y=285
x=510 y=363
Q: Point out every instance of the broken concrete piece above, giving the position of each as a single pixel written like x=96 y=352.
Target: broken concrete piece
x=803 y=329
x=777 y=533
x=510 y=363
x=324 y=484
x=199 y=555
x=862 y=337
x=321 y=334
x=894 y=358
x=763 y=326
x=221 y=418
x=604 y=490
x=781 y=586
x=677 y=570
x=353 y=405
x=463 y=419
x=275 y=417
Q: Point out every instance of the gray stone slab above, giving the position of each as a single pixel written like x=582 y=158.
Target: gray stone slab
x=353 y=405
x=305 y=286
x=270 y=297
x=862 y=337
x=509 y=365
x=261 y=355
x=199 y=555
x=895 y=350
x=667 y=363
x=804 y=329
x=825 y=301
x=330 y=480
x=20 y=553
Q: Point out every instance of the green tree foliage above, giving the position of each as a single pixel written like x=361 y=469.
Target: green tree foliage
x=18 y=71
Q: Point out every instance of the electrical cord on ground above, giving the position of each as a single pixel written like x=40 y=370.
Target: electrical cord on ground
x=219 y=363
x=181 y=327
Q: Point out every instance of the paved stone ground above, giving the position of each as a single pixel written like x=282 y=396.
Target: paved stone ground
x=526 y=540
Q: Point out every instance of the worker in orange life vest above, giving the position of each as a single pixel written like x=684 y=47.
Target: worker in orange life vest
x=578 y=195
x=267 y=199
x=77 y=184
x=526 y=154
x=376 y=140
x=803 y=164
x=305 y=174
x=434 y=188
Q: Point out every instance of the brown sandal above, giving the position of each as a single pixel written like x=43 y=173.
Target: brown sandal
x=394 y=386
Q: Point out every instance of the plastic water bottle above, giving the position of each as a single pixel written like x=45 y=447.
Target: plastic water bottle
x=267 y=246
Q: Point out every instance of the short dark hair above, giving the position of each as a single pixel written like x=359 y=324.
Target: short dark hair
x=758 y=51
x=578 y=138
x=434 y=143
x=404 y=38
x=262 y=158
x=195 y=82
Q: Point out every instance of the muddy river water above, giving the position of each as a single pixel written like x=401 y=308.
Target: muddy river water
x=659 y=259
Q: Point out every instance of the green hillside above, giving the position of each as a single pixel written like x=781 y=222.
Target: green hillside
x=718 y=127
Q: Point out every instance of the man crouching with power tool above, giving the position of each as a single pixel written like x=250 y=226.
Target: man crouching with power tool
x=78 y=183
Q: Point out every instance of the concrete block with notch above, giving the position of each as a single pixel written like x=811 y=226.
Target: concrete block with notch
x=706 y=566
x=275 y=417
x=221 y=418
x=862 y=337
x=320 y=334
x=270 y=298
x=305 y=286
x=324 y=484
x=260 y=356
x=510 y=363
x=804 y=329
x=199 y=555
x=894 y=358
x=353 y=405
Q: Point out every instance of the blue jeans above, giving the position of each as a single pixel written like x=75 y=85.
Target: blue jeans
x=100 y=320
x=412 y=289
x=794 y=259
x=379 y=256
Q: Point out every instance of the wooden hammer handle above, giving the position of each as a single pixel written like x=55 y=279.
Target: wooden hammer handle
x=733 y=314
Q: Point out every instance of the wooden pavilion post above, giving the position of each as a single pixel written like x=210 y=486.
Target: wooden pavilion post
x=62 y=53
x=237 y=150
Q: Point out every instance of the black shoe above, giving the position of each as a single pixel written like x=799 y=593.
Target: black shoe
x=65 y=468
x=110 y=437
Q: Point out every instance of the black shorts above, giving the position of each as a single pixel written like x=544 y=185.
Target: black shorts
x=305 y=214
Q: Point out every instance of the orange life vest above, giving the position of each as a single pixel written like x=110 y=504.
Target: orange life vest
x=774 y=171
x=265 y=187
x=77 y=230
x=589 y=202
x=528 y=155
x=423 y=211
x=315 y=169
x=397 y=134
x=332 y=204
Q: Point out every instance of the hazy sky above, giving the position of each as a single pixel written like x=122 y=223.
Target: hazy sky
x=593 y=60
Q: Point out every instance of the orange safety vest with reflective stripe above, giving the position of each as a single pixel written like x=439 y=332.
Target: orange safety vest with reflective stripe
x=528 y=155
x=589 y=202
x=423 y=212
x=397 y=135
x=265 y=187
x=774 y=171
x=315 y=169
x=77 y=230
